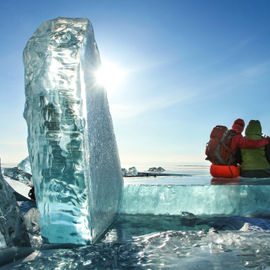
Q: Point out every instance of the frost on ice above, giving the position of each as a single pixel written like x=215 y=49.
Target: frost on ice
x=71 y=143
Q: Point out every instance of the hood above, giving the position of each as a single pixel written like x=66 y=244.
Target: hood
x=238 y=125
x=254 y=130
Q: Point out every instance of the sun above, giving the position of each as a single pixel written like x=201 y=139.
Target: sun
x=109 y=75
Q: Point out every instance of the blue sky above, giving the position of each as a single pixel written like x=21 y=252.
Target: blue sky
x=191 y=65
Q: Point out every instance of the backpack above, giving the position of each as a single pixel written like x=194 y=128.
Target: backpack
x=218 y=149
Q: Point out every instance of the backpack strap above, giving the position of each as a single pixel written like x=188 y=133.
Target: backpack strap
x=225 y=142
x=217 y=150
x=232 y=158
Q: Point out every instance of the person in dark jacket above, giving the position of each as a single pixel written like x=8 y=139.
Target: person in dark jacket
x=254 y=162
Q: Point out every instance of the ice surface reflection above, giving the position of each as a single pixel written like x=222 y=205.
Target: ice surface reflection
x=148 y=242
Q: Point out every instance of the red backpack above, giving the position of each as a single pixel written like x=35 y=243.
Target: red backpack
x=218 y=149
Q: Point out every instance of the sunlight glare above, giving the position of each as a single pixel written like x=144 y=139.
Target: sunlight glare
x=110 y=76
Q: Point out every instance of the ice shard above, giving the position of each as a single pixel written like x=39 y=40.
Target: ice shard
x=25 y=166
x=12 y=228
x=71 y=143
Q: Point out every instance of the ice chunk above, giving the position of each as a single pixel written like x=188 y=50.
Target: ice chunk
x=124 y=171
x=71 y=143
x=132 y=171
x=17 y=174
x=156 y=169
x=2 y=241
x=240 y=200
x=11 y=221
x=25 y=166
x=31 y=220
x=19 y=189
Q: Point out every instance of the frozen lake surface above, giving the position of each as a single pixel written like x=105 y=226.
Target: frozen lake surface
x=182 y=241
